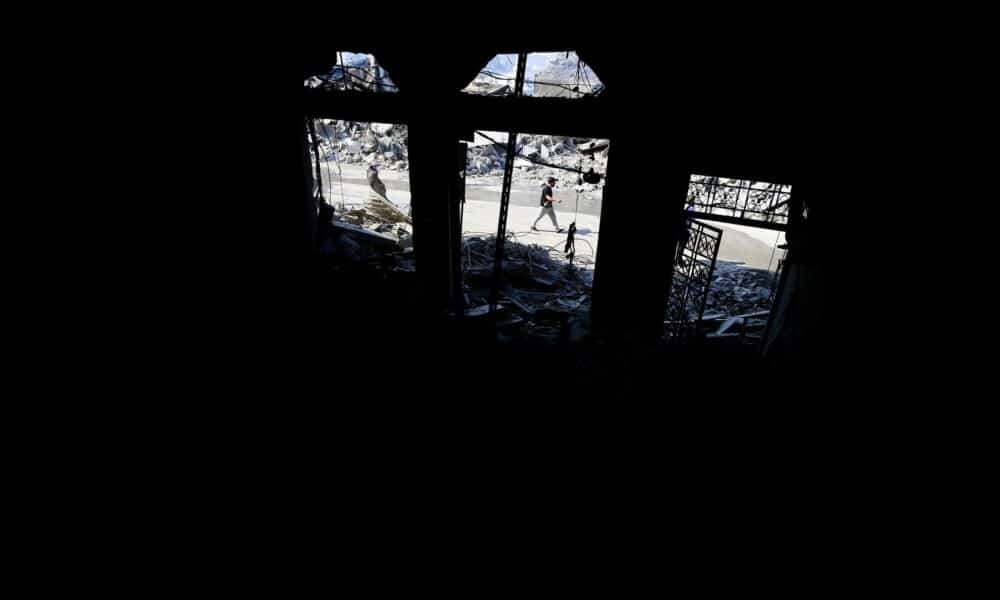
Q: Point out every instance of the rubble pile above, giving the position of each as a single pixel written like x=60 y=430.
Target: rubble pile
x=566 y=76
x=358 y=72
x=737 y=290
x=540 y=292
x=359 y=240
x=351 y=142
x=487 y=159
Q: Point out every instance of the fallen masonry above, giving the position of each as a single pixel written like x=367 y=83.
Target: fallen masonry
x=542 y=296
x=486 y=159
x=738 y=303
x=359 y=235
x=381 y=144
x=737 y=289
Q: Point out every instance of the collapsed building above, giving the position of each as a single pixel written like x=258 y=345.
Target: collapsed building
x=382 y=144
x=537 y=156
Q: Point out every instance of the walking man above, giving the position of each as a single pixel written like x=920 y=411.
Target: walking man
x=547 y=208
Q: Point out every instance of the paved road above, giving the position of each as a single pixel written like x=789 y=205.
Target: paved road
x=741 y=244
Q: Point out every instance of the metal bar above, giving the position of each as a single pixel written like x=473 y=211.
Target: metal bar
x=738 y=221
x=522 y=63
x=707 y=226
x=775 y=207
x=508 y=173
x=746 y=200
x=708 y=285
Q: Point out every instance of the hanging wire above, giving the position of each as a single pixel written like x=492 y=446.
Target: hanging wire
x=773 y=249
x=496 y=75
x=340 y=174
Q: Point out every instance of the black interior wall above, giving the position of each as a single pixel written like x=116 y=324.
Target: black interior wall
x=735 y=111
x=661 y=133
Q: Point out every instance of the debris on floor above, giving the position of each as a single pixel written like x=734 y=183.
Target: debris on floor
x=747 y=328
x=542 y=294
x=738 y=289
x=486 y=159
x=737 y=305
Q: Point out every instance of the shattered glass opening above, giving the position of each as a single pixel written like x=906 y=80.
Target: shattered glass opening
x=546 y=75
x=549 y=253
x=362 y=192
x=354 y=72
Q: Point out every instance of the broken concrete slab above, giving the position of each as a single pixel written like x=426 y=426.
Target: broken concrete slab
x=360 y=234
x=520 y=305
x=728 y=324
x=477 y=311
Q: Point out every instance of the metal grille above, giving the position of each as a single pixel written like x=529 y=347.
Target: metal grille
x=739 y=199
x=694 y=264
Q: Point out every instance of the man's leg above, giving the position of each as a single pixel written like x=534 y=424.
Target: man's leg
x=540 y=215
x=552 y=215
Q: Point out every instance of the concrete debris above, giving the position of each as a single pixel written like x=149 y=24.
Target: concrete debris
x=365 y=235
x=349 y=246
x=738 y=290
x=544 y=291
x=727 y=324
x=527 y=309
x=488 y=87
x=396 y=234
x=355 y=142
x=512 y=320
x=565 y=76
x=592 y=146
x=487 y=159
x=748 y=327
x=477 y=311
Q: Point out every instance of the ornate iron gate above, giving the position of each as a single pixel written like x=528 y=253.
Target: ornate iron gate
x=694 y=264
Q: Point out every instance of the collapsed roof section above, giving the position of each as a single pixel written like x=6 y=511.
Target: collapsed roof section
x=546 y=75
x=354 y=72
